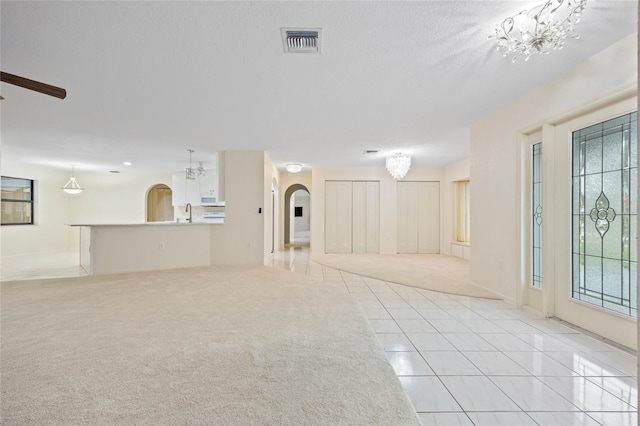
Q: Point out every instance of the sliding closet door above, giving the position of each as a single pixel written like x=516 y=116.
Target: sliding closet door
x=366 y=217
x=418 y=217
x=373 y=217
x=338 y=199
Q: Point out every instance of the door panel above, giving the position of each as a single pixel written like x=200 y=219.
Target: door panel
x=418 y=217
x=359 y=219
x=338 y=199
x=373 y=217
x=429 y=217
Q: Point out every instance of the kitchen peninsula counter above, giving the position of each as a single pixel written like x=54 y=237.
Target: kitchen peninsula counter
x=129 y=247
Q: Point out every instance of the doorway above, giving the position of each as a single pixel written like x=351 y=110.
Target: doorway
x=159 y=206
x=297 y=219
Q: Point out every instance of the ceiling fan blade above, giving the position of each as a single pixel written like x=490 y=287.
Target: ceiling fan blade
x=37 y=86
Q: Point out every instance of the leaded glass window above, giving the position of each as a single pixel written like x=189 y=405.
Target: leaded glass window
x=605 y=176
x=536 y=216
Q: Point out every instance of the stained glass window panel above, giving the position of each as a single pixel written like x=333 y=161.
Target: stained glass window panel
x=536 y=215
x=605 y=215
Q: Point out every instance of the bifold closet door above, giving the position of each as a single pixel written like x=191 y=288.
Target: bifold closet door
x=418 y=216
x=337 y=226
x=366 y=217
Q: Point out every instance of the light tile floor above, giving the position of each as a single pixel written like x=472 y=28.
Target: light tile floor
x=469 y=361
x=462 y=360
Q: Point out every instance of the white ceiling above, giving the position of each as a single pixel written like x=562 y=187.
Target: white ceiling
x=148 y=80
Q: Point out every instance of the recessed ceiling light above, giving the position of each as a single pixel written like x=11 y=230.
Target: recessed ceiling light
x=127 y=163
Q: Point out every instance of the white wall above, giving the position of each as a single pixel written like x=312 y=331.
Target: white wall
x=457 y=171
x=51 y=213
x=302 y=223
x=241 y=240
x=113 y=197
x=271 y=210
x=495 y=194
x=388 y=200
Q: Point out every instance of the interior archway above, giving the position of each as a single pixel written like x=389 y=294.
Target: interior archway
x=287 y=209
x=159 y=205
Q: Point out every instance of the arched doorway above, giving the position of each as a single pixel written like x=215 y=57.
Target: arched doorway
x=159 y=206
x=297 y=215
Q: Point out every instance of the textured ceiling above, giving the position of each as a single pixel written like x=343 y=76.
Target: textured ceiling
x=148 y=80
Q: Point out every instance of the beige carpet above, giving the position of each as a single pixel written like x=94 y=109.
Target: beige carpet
x=210 y=346
x=446 y=274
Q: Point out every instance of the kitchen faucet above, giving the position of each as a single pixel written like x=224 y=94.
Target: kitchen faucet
x=188 y=209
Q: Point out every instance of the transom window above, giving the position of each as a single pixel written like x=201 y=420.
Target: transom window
x=17 y=201
x=605 y=176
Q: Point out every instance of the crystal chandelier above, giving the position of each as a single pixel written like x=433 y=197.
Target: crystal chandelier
x=539 y=30
x=398 y=165
x=190 y=173
x=72 y=187
x=201 y=170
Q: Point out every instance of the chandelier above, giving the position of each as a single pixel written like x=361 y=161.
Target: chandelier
x=539 y=30
x=201 y=170
x=72 y=187
x=398 y=165
x=190 y=172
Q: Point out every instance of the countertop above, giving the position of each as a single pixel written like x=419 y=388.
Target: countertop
x=172 y=223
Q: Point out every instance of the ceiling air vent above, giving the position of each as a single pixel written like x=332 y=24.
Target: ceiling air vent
x=301 y=40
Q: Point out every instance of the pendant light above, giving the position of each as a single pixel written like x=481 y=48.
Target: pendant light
x=190 y=172
x=72 y=186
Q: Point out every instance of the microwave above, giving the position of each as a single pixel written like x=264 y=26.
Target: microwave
x=208 y=199
x=211 y=200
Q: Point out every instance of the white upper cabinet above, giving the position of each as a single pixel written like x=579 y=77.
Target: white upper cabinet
x=191 y=191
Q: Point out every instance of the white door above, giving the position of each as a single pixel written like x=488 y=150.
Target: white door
x=359 y=218
x=428 y=217
x=366 y=217
x=418 y=217
x=594 y=221
x=338 y=214
x=373 y=217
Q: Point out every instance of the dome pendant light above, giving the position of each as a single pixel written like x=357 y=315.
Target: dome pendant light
x=72 y=187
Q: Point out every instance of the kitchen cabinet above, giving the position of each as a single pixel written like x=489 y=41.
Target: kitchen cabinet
x=190 y=191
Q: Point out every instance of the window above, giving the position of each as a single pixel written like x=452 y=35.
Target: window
x=605 y=176
x=297 y=212
x=17 y=201
x=463 y=210
x=536 y=215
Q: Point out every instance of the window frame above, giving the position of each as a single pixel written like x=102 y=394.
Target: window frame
x=30 y=202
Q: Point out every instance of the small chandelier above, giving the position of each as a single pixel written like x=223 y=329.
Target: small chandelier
x=398 y=165
x=190 y=173
x=201 y=170
x=539 y=30
x=72 y=186
x=294 y=168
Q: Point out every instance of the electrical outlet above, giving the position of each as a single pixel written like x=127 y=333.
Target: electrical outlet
x=500 y=264
x=162 y=246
